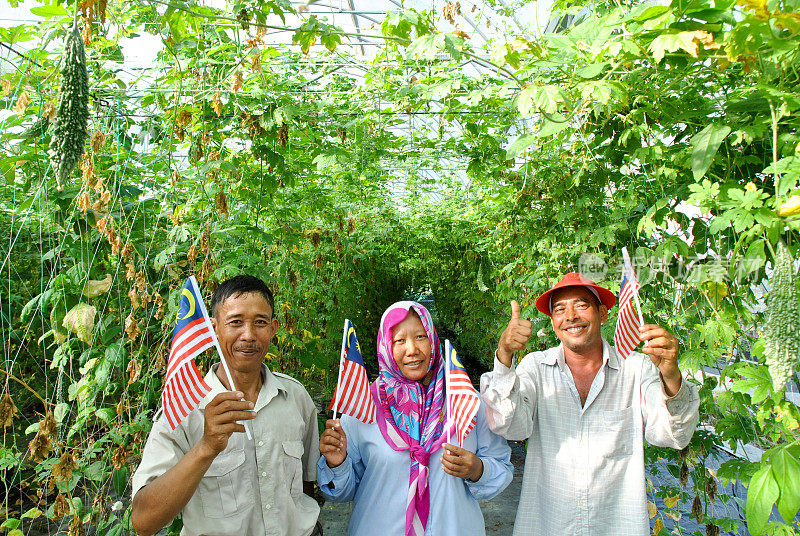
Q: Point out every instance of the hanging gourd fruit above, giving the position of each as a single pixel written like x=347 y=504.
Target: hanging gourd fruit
x=782 y=326
x=70 y=128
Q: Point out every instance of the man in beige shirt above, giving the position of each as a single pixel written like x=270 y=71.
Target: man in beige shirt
x=206 y=469
x=586 y=413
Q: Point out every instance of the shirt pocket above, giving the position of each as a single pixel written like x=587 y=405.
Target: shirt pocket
x=293 y=467
x=614 y=435
x=225 y=488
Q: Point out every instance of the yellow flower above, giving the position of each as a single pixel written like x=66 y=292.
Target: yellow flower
x=750 y=187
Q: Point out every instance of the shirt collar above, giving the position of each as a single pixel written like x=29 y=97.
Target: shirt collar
x=270 y=386
x=555 y=356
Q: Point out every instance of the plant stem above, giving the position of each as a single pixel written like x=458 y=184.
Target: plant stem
x=776 y=178
x=26 y=386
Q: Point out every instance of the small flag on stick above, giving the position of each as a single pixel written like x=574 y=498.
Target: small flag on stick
x=462 y=398
x=626 y=334
x=184 y=387
x=352 y=395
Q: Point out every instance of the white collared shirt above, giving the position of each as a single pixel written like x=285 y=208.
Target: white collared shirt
x=252 y=487
x=584 y=471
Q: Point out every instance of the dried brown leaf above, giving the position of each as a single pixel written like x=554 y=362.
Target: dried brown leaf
x=134 y=370
x=132 y=327
x=221 y=203
x=119 y=456
x=216 y=103
x=684 y=474
x=711 y=488
x=61 y=507
x=22 y=103
x=238 y=81
x=697 y=509
x=8 y=410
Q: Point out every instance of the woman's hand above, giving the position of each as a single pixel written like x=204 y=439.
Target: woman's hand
x=461 y=463
x=333 y=443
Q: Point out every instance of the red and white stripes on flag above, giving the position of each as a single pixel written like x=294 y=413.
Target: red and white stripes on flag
x=626 y=334
x=352 y=395
x=184 y=386
x=462 y=398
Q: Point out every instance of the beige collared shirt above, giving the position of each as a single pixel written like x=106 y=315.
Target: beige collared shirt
x=253 y=487
x=584 y=471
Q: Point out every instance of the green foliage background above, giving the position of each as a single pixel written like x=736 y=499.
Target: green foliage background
x=670 y=129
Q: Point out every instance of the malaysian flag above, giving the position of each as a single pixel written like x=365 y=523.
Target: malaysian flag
x=626 y=334
x=352 y=395
x=185 y=387
x=462 y=398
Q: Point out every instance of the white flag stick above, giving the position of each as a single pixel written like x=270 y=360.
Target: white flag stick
x=341 y=366
x=207 y=320
x=447 y=350
x=628 y=267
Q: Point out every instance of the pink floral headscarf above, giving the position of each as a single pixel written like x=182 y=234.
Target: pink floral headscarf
x=409 y=414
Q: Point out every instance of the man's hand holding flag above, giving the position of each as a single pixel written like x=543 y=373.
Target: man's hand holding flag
x=659 y=344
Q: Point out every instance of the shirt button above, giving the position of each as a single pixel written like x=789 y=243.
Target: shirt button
x=264 y=474
x=260 y=443
x=268 y=506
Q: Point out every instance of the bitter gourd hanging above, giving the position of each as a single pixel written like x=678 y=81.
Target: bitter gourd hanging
x=71 y=128
x=782 y=328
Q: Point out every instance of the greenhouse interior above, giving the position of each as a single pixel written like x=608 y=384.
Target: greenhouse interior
x=351 y=154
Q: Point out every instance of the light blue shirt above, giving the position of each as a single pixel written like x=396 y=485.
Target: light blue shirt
x=375 y=478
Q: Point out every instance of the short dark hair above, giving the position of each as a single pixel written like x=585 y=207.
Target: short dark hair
x=241 y=284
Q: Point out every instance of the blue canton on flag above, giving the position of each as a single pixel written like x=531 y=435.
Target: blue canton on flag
x=184 y=386
x=462 y=398
x=626 y=334
x=352 y=395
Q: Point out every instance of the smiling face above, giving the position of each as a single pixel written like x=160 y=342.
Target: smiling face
x=244 y=327
x=576 y=319
x=411 y=347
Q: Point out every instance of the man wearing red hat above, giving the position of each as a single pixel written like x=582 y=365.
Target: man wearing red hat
x=586 y=412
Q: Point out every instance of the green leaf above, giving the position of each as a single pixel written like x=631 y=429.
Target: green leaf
x=107 y=415
x=525 y=101
x=519 y=145
x=755 y=378
x=644 y=12
x=591 y=70
x=116 y=530
x=96 y=471
x=427 y=46
x=704 y=146
x=786 y=469
x=61 y=411
x=548 y=98
x=54 y=10
x=119 y=479
x=553 y=124
x=10 y=523
x=761 y=495
x=33 y=513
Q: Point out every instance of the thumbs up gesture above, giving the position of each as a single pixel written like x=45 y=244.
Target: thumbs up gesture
x=515 y=336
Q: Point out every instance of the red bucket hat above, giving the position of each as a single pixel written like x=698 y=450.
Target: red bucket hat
x=574 y=279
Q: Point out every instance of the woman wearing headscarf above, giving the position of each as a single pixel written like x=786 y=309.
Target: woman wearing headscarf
x=402 y=476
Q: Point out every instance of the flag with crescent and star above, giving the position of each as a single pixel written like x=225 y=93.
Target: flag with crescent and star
x=352 y=396
x=185 y=387
x=463 y=401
